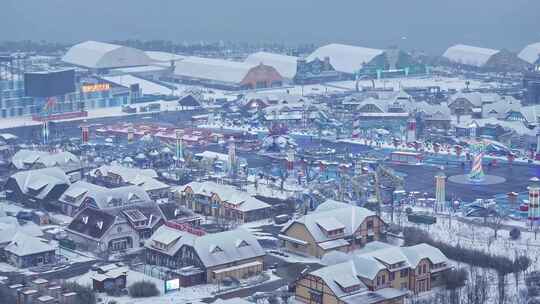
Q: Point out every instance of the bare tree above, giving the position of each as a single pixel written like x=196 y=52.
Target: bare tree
x=496 y=222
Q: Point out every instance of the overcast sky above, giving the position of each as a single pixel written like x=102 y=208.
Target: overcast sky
x=431 y=25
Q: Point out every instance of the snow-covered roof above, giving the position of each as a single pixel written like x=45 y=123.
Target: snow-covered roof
x=213 y=155
x=146 y=86
x=342 y=272
x=330 y=204
x=370 y=260
x=349 y=217
x=284 y=64
x=166 y=235
x=530 y=53
x=234 y=245
x=104 y=198
x=239 y=199
x=100 y=55
x=501 y=107
x=345 y=58
x=40 y=182
x=477 y=99
x=419 y=252
x=213 y=249
x=220 y=70
x=23 y=244
x=24 y=158
x=128 y=174
x=164 y=56
x=531 y=113
x=516 y=126
x=469 y=55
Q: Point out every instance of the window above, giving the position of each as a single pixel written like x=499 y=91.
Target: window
x=370 y=224
x=404 y=285
x=424 y=268
x=315 y=297
x=404 y=272
x=216 y=249
x=392 y=276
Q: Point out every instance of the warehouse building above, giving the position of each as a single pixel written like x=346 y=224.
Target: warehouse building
x=284 y=64
x=225 y=74
x=354 y=61
x=530 y=53
x=100 y=56
x=472 y=57
x=297 y=70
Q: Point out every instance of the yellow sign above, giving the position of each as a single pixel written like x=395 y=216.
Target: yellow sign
x=96 y=87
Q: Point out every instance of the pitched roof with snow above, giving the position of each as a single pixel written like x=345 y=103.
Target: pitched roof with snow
x=335 y=274
x=127 y=174
x=213 y=249
x=227 y=247
x=24 y=158
x=345 y=58
x=92 y=222
x=284 y=64
x=239 y=199
x=163 y=56
x=530 y=53
x=104 y=198
x=22 y=244
x=469 y=55
x=349 y=218
x=477 y=99
x=100 y=55
x=40 y=182
x=219 y=70
x=373 y=258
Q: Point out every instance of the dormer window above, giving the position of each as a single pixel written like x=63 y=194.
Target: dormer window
x=216 y=249
x=99 y=224
x=242 y=243
x=85 y=219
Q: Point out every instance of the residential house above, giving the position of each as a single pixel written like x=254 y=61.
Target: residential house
x=470 y=103
x=222 y=201
x=386 y=272
x=234 y=253
x=332 y=226
x=29 y=159
x=23 y=250
x=173 y=213
x=117 y=176
x=38 y=186
x=114 y=230
x=83 y=194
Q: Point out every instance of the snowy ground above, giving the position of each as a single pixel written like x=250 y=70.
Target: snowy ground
x=183 y=296
x=14 y=122
x=268 y=189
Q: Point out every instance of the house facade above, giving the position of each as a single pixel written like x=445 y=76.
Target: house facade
x=113 y=231
x=23 y=251
x=379 y=269
x=234 y=253
x=222 y=201
x=37 y=187
x=82 y=194
x=332 y=226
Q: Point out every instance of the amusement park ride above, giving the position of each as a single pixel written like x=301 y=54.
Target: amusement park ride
x=477 y=173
